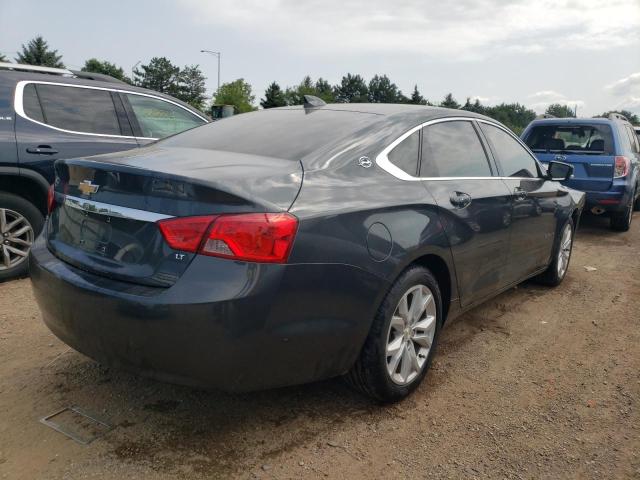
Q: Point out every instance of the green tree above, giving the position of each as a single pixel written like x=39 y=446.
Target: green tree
x=236 y=93
x=273 y=97
x=295 y=95
x=159 y=75
x=324 y=90
x=513 y=115
x=37 y=52
x=560 y=111
x=449 y=102
x=3 y=58
x=382 y=90
x=352 y=89
x=94 y=65
x=191 y=88
x=632 y=117
x=416 y=98
x=476 y=106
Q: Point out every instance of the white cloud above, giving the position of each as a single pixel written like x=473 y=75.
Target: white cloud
x=539 y=101
x=625 y=86
x=456 y=30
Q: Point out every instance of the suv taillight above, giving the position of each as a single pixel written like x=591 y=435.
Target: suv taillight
x=51 y=199
x=254 y=237
x=621 y=167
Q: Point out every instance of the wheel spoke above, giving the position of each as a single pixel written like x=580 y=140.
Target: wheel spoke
x=3 y=220
x=403 y=307
x=392 y=366
x=15 y=250
x=21 y=231
x=405 y=367
x=19 y=241
x=394 y=346
x=422 y=339
x=415 y=366
x=6 y=258
x=427 y=324
x=397 y=323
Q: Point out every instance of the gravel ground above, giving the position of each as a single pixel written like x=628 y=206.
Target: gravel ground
x=536 y=383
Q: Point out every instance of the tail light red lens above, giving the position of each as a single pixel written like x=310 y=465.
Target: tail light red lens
x=51 y=199
x=254 y=237
x=185 y=233
x=621 y=167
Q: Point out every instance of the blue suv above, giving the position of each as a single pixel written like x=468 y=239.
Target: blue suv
x=48 y=114
x=605 y=154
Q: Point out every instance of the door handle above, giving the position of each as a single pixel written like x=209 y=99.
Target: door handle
x=460 y=199
x=520 y=193
x=42 y=150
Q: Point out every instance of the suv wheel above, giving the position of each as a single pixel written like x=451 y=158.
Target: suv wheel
x=20 y=223
x=621 y=221
x=402 y=340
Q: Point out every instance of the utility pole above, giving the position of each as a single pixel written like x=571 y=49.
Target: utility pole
x=217 y=54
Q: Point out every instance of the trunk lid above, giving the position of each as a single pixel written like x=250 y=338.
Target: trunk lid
x=107 y=206
x=593 y=173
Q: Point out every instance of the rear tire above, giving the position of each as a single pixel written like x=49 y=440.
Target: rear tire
x=621 y=221
x=559 y=266
x=24 y=215
x=388 y=343
x=636 y=204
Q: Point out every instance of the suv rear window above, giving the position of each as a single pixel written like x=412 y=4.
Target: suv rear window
x=584 y=139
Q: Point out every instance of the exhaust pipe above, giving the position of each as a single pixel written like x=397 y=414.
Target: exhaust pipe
x=597 y=210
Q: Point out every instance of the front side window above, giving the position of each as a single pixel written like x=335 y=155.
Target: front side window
x=453 y=149
x=77 y=109
x=513 y=157
x=405 y=154
x=159 y=119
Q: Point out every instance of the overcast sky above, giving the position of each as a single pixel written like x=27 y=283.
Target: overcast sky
x=535 y=52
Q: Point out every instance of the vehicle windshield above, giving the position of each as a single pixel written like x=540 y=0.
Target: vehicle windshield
x=583 y=139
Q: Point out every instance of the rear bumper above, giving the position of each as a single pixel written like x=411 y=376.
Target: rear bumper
x=614 y=200
x=230 y=325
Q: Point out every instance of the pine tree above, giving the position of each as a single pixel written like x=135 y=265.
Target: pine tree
x=382 y=90
x=416 y=98
x=94 y=65
x=352 y=89
x=273 y=97
x=37 y=53
x=159 y=75
x=191 y=87
x=449 y=102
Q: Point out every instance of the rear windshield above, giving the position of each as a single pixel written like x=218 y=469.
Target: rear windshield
x=580 y=139
x=286 y=134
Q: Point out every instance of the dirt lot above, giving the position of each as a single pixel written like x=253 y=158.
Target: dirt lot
x=537 y=383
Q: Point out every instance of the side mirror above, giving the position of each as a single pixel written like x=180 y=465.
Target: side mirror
x=559 y=171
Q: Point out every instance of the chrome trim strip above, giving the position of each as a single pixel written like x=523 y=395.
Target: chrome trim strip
x=19 y=108
x=382 y=160
x=100 y=208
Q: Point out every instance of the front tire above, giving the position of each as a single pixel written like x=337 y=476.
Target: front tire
x=402 y=340
x=20 y=223
x=557 y=270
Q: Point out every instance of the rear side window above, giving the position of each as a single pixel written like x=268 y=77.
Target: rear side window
x=31 y=104
x=593 y=139
x=453 y=149
x=78 y=109
x=513 y=157
x=159 y=119
x=405 y=154
x=633 y=139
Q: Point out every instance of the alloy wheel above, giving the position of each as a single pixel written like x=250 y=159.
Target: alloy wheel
x=564 y=252
x=16 y=237
x=410 y=336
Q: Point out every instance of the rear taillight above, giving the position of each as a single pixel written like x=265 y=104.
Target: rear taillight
x=621 y=167
x=254 y=237
x=185 y=233
x=51 y=199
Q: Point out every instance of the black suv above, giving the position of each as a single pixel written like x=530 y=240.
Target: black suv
x=49 y=113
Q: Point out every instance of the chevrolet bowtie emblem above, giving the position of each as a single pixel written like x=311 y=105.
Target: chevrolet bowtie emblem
x=87 y=187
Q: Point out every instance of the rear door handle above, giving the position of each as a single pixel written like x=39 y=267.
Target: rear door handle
x=460 y=199
x=42 y=150
x=519 y=193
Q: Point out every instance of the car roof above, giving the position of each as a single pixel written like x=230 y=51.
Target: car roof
x=313 y=134
x=18 y=76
